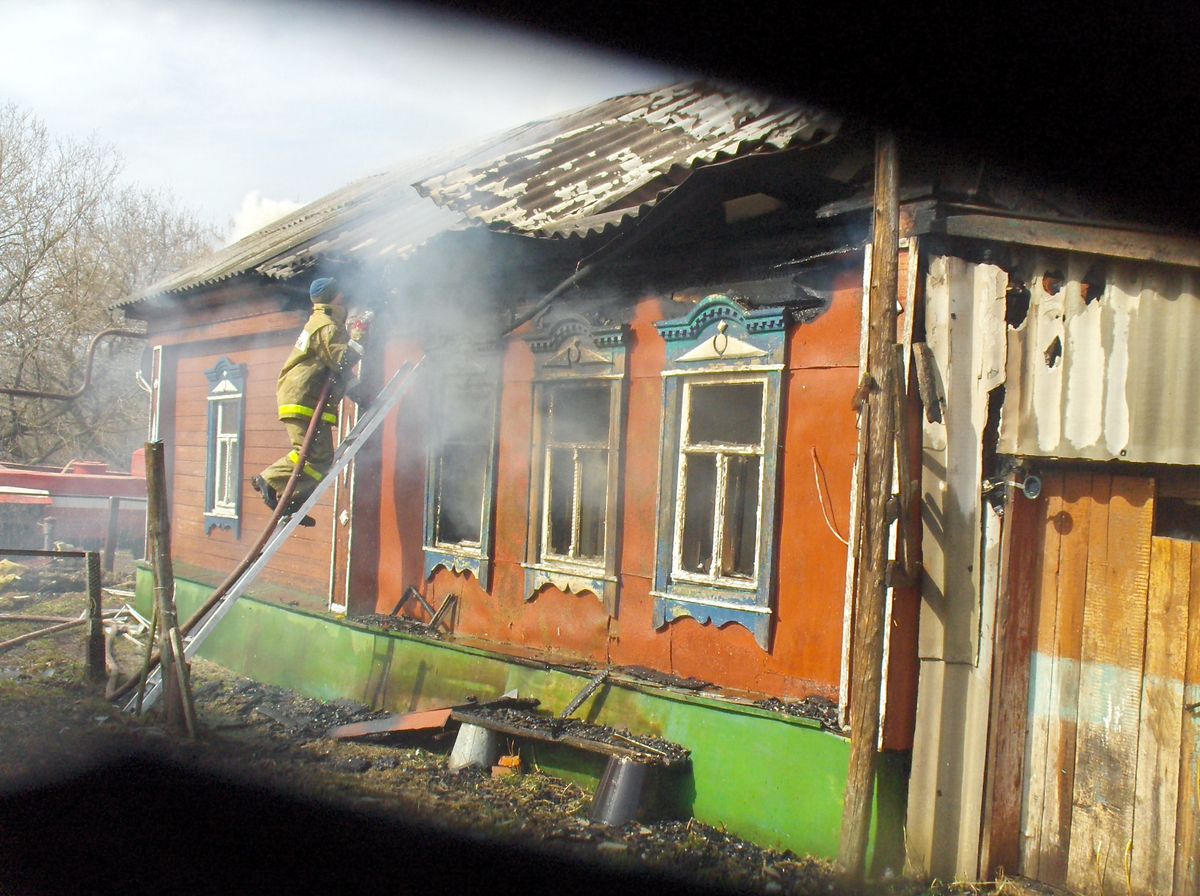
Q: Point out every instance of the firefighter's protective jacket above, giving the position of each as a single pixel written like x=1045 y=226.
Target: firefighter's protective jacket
x=323 y=347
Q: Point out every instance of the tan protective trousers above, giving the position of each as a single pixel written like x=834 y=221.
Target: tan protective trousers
x=320 y=458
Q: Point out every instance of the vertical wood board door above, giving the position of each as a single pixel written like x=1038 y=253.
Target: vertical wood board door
x=1109 y=769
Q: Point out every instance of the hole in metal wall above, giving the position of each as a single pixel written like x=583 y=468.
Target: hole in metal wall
x=1054 y=352
x=1177 y=518
x=1052 y=282
x=1016 y=308
x=1091 y=287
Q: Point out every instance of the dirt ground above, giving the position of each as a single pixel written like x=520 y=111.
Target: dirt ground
x=57 y=727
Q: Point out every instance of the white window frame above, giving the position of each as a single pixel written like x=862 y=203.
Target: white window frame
x=573 y=347
x=224 y=450
x=226 y=466
x=720 y=341
x=572 y=560
x=722 y=452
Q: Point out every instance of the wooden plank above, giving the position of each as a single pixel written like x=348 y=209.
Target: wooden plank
x=1157 y=794
x=1154 y=247
x=593 y=746
x=1033 y=684
x=1110 y=692
x=1187 y=832
x=1016 y=629
x=1073 y=525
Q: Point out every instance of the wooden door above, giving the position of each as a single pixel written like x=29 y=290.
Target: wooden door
x=1107 y=615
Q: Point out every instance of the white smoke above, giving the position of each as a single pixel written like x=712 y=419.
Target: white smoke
x=257 y=212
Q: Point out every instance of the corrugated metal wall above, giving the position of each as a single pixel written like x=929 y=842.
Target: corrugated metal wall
x=1100 y=368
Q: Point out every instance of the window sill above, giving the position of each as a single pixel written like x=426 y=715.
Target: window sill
x=231 y=522
x=457 y=561
x=570 y=580
x=715 y=605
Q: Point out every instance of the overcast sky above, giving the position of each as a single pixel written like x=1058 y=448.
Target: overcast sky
x=252 y=107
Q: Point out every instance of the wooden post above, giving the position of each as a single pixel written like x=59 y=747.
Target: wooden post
x=174 y=669
x=112 y=532
x=95 y=617
x=879 y=418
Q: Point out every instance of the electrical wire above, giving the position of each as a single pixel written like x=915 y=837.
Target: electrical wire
x=821 y=501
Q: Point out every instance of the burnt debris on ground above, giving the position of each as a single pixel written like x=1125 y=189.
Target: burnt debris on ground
x=273 y=744
x=819 y=709
x=525 y=722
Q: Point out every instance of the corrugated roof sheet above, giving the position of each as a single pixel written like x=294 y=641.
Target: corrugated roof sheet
x=576 y=173
x=610 y=161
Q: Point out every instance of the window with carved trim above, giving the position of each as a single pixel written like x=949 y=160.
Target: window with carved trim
x=460 y=470
x=720 y=481
x=716 y=513
x=223 y=473
x=578 y=409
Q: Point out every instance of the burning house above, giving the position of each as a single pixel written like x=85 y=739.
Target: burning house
x=632 y=445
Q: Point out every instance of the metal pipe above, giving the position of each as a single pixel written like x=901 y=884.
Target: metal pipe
x=116 y=332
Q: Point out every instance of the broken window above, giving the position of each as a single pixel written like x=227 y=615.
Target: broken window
x=575 y=494
x=577 y=401
x=717 y=489
x=459 y=471
x=223 y=473
x=719 y=480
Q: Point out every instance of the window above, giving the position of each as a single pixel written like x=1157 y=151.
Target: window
x=720 y=482
x=223 y=475
x=716 y=514
x=575 y=460
x=578 y=404
x=460 y=472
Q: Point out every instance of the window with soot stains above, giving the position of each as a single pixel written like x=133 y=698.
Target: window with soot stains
x=575 y=461
x=223 y=466
x=459 y=475
x=720 y=482
x=722 y=389
x=575 y=420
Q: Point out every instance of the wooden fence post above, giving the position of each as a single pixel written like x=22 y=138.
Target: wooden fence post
x=112 y=532
x=95 y=616
x=879 y=417
x=176 y=696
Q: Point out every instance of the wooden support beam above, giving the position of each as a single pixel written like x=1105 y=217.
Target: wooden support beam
x=112 y=532
x=176 y=693
x=95 y=618
x=879 y=418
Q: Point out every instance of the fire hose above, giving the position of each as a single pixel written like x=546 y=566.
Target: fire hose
x=280 y=511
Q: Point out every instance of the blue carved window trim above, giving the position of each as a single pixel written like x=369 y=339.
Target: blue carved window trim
x=721 y=342
x=463 y=420
x=575 y=349
x=223 y=455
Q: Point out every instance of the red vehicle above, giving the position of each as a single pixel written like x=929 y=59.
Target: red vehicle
x=73 y=504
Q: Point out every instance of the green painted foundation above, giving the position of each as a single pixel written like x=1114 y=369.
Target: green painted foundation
x=773 y=779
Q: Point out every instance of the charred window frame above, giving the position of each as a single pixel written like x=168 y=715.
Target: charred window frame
x=223 y=465
x=717 y=488
x=578 y=409
x=460 y=469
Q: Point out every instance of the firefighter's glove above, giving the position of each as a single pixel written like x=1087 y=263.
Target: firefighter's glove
x=358 y=394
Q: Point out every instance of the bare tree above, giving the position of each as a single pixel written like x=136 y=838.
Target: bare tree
x=73 y=242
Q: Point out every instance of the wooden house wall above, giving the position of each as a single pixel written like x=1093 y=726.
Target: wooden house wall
x=805 y=649
x=255 y=333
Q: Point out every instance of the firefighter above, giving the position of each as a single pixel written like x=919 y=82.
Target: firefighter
x=324 y=348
